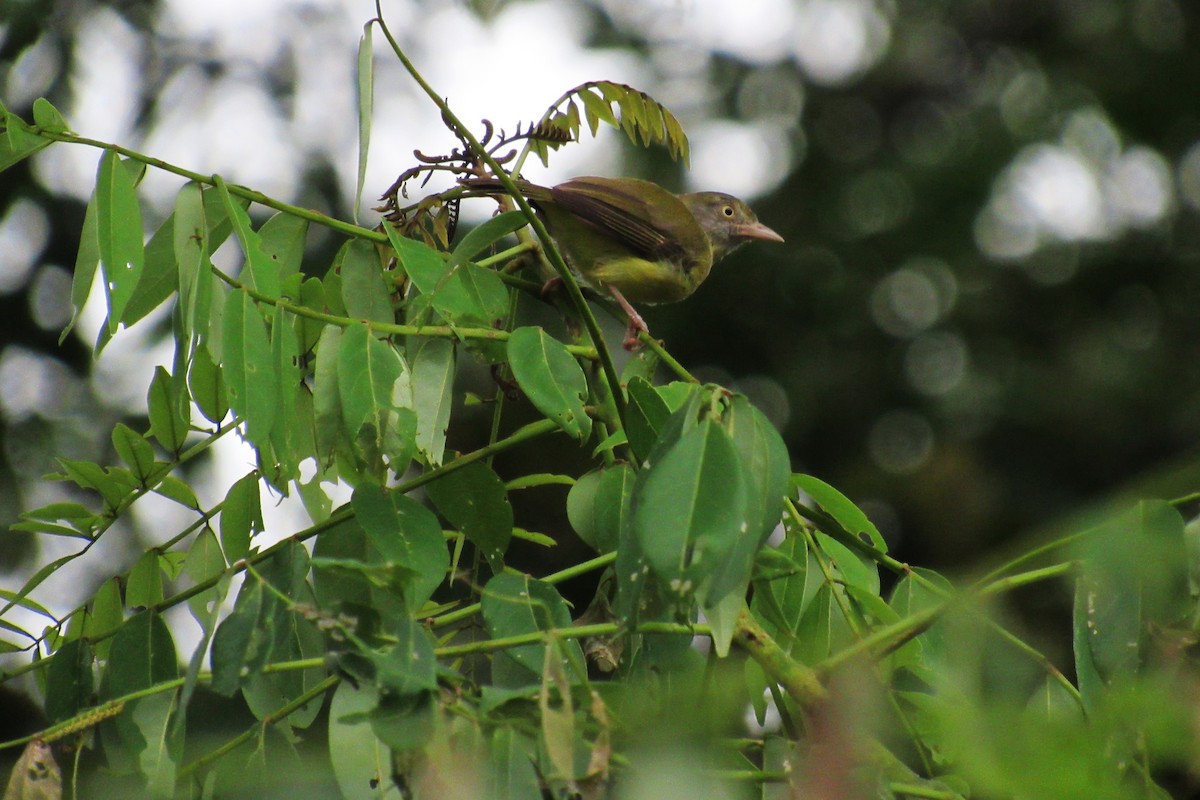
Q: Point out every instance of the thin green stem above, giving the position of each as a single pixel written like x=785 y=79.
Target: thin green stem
x=347 y=228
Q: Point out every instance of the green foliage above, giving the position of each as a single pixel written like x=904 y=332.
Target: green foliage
x=445 y=663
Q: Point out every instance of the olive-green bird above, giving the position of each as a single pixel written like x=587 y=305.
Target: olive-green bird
x=636 y=240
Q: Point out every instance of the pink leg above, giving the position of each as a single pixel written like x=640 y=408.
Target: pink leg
x=636 y=323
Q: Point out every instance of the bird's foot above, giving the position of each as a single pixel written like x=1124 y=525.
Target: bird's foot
x=637 y=325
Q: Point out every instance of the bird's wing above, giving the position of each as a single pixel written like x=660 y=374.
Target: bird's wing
x=642 y=215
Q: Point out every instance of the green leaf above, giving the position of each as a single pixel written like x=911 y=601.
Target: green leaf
x=486 y=235
x=189 y=241
x=598 y=505
x=646 y=413
x=1133 y=578
x=365 y=292
x=235 y=646
x=69 y=681
x=366 y=102
x=261 y=271
x=463 y=294
x=104 y=616
x=142 y=655
x=241 y=517
x=47 y=117
x=475 y=501
x=408 y=667
x=367 y=369
x=144 y=587
x=282 y=240
x=551 y=378
x=119 y=232
x=160 y=275
x=252 y=381
x=838 y=506
x=407 y=535
x=134 y=450
x=86 y=261
x=206 y=381
x=172 y=488
x=114 y=484
x=358 y=757
x=327 y=398
x=514 y=605
x=169 y=423
x=204 y=562
x=690 y=508
x=20 y=143
x=163 y=749
x=432 y=391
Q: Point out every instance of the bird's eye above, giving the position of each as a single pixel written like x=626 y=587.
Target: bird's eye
x=727 y=211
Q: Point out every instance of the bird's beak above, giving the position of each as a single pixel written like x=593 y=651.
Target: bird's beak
x=756 y=230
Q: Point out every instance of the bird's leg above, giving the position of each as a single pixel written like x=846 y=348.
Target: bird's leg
x=636 y=323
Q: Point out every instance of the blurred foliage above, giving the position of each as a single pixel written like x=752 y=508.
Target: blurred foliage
x=983 y=320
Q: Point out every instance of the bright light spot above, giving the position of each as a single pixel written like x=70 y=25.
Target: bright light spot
x=106 y=91
x=1085 y=189
x=936 y=362
x=33 y=71
x=1056 y=189
x=837 y=40
x=900 y=441
x=743 y=160
x=23 y=234
x=914 y=297
x=1189 y=176
x=1138 y=185
x=50 y=297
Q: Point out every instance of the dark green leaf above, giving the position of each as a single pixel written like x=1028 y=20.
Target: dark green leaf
x=69 y=681
x=241 y=517
x=406 y=534
x=517 y=604
x=645 y=415
x=598 y=505
x=144 y=587
x=690 y=509
x=475 y=501
x=142 y=655
x=236 y=646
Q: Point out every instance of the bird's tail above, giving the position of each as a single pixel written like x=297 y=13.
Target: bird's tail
x=492 y=187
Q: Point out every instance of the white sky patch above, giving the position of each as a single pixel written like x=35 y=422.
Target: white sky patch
x=742 y=159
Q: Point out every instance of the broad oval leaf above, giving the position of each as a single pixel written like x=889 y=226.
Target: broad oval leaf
x=551 y=378
x=475 y=501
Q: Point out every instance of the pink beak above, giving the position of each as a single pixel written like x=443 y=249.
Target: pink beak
x=756 y=230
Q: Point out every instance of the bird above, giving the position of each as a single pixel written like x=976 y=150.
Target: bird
x=635 y=240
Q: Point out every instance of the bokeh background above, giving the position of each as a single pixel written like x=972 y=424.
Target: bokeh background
x=987 y=312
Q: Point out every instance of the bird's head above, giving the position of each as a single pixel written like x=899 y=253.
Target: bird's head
x=728 y=221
